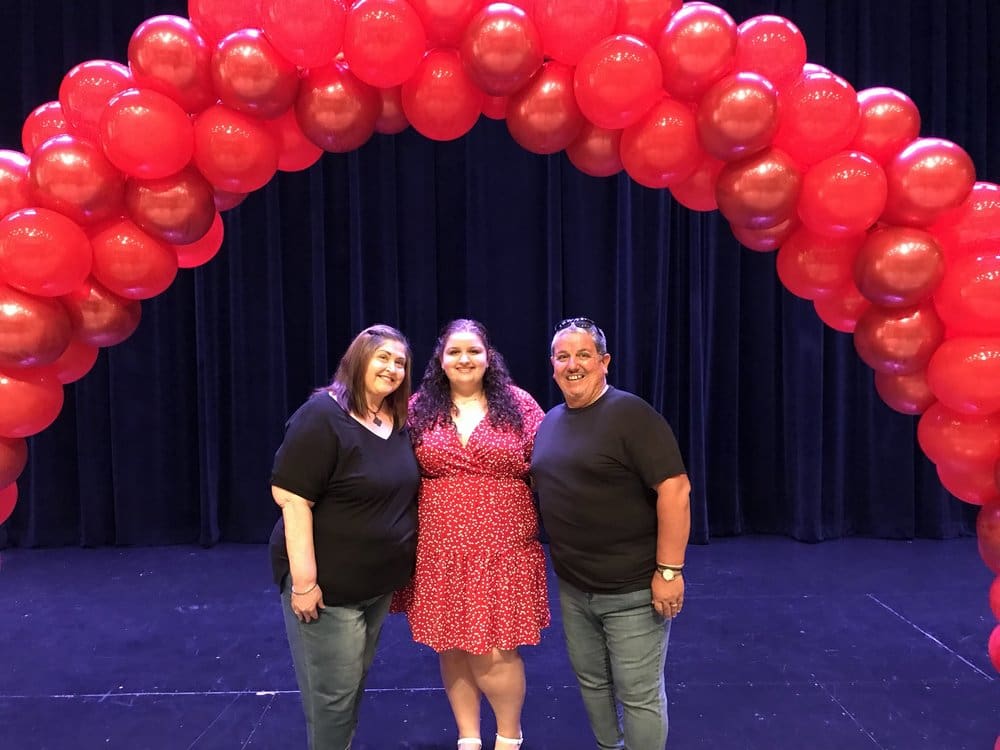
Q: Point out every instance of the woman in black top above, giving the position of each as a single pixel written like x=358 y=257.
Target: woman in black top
x=346 y=481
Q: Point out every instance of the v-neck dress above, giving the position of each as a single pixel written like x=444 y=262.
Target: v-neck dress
x=480 y=574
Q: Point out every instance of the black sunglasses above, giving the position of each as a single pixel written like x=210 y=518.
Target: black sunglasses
x=576 y=323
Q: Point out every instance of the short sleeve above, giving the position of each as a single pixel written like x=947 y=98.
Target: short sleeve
x=531 y=415
x=307 y=457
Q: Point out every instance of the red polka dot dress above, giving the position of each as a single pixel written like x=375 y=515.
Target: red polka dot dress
x=480 y=576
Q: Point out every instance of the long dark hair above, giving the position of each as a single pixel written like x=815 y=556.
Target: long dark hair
x=433 y=405
x=348 y=383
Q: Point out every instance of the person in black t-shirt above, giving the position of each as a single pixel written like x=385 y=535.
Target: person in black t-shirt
x=614 y=498
x=346 y=481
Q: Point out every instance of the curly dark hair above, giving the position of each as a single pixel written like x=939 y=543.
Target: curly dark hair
x=432 y=404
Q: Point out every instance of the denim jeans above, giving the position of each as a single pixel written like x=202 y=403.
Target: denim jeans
x=617 y=645
x=331 y=657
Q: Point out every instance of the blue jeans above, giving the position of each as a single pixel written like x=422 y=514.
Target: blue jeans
x=617 y=645
x=332 y=656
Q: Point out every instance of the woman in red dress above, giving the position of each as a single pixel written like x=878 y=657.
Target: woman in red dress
x=479 y=589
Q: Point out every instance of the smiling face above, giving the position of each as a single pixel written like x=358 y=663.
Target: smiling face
x=385 y=371
x=464 y=361
x=579 y=371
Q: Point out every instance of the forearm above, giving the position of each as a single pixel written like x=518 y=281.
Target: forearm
x=297 y=515
x=673 y=514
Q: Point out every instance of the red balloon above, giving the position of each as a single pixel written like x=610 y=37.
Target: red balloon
x=968 y=298
x=890 y=121
x=201 y=251
x=841 y=308
x=738 y=116
x=495 y=107
x=926 y=179
x=570 y=27
x=899 y=266
x=445 y=21
x=645 y=18
x=898 y=340
x=178 y=209
x=907 y=394
x=28 y=404
x=772 y=47
x=964 y=374
x=71 y=175
x=169 y=55
x=970 y=484
x=86 y=89
x=617 y=81
x=765 y=240
x=760 y=191
x=993 y=649
x=234 y=151
x=813 y=265
x=295 y=151
x=218 y=18
x=440 y=100
x=335 y=110
x=384 y=41
x=958 y=440
x=251 y=77
x=224 y=201
x=843 y=194
x=42 y=252
x=391 y=117
x=14 y=191
x=44 y=122
x=501 y=49
x=33 y=330
x=146 y=134
x=595 y=151
x=819 y=116
x=131 y=263
x=972 y=227
x=8 y=499
x=13 y=459
x=697 y=191
x=72 y=364
x=661 y=149
x=696 y=49
x=543 y=116
x=101 y=317
x=308 y=33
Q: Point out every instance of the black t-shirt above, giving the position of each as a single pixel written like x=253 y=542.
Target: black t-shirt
x=364 y=489
x=594 y=469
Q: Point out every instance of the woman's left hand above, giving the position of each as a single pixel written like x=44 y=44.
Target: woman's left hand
x=668 y=596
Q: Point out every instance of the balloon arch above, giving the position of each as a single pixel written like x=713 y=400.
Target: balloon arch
x=121 y=181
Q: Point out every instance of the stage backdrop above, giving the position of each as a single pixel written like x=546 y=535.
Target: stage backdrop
x=170 y=438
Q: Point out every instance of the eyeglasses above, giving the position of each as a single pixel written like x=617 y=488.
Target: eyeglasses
x=575 y=323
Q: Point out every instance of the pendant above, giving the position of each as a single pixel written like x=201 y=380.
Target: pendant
x=376 y=421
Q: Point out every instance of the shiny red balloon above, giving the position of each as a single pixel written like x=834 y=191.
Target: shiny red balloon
x=28 y=404
x=335 y=110
x=251 y=76
x=898 y=340
x=44 y=122
x=146 y=134
x=440 y=100
x=617 y=81
x=843 y=194
x=972 y=227
x=295 y=151
x=958 y=440
x=384 y=41
x=907 y=394
x=890 y=121
x=738 y=116
x=645 y=19
x=501 y=49
x=595 y=151
x=42 y=252
x=445 y=21
x=661 y=149
x=813 y=265
x=218 y=18
x=201 y=251
x=72 y=176
x=819 y=116
x=926 y=179
x=771 y=46
x=178 y=209
x=697 y=191
x=101 y=317
x=33 y=330
x=765 y=240
x=234 y=151
x=8 y=499
x=308 y=33
x=15 y=193
x=968 y=298
x=570 y=27
x=841 y=308
x=970 y=484
x=169 y=55
x=13 y=459
x=696 y=49
x=391 y=117
x=760 y=191
x=964 y=374
x=86 y=89
x=543 y=116
x=72 y=364
x=131 y=263
x=899 y=266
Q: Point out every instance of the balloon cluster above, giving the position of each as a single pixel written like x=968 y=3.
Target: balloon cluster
x=121 y=180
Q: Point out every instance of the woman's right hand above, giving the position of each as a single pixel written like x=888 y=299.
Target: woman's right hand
x=306 y=606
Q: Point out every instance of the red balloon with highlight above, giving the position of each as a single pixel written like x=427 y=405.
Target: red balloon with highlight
x=617 y=81
x=771 y=46
x=146 y=134
x=890 y=121
x=384 y=41
x=42 y=252
x=543 y=117
x=234 y=151
x=926 y=179
x=308 y=33
x=440 y=100
x=501 y=49
x=661 y=149
x=335 y=109
x=169 y=55
x=843 y=194
x=696 y=49
x=898 y=340
x=45 y=121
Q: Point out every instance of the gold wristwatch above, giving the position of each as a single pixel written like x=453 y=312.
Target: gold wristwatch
x=669 y=572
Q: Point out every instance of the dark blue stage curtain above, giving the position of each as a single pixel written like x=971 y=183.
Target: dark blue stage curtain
x=170 y=438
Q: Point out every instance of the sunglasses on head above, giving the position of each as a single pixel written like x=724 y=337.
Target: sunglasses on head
x=575 y=323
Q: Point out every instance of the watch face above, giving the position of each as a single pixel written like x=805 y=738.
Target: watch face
x=668 y=574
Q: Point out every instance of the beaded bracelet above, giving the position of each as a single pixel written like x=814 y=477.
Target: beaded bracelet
x=302 y=593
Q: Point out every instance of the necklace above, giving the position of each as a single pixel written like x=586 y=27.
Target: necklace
x=460 y=402
x=376 y=420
